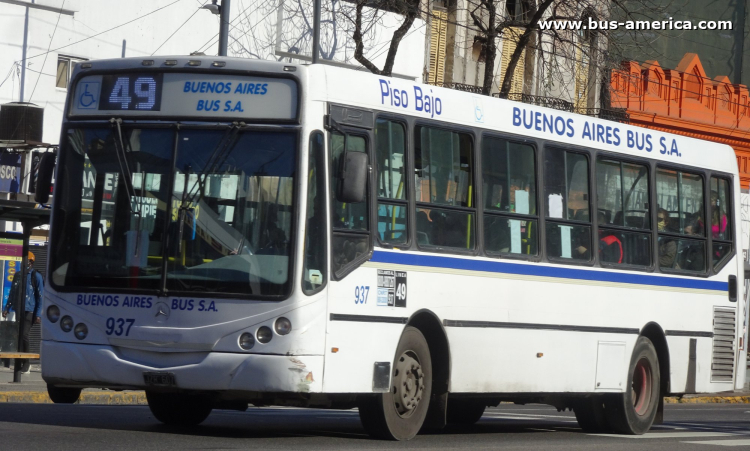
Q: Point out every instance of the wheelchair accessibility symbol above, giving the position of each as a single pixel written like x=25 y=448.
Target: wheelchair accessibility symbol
x=88 y=97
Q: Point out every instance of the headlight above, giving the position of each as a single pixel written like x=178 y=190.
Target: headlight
x=247 y=341
x=81 y=331
x=283 y=326
x=53 y=313
x=264 y=334
x=66 y=323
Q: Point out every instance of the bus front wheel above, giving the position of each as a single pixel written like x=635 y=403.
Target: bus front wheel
x=634 y=411
x=63 y=395
x=400 y=413
x=179 y=409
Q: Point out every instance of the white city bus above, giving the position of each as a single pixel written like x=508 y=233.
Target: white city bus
x=229 y=232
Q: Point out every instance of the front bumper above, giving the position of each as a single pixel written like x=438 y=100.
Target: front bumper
x=80 y=365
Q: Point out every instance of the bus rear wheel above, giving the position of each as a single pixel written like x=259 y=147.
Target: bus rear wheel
x=634 y=411
x=63 y=395
x=179 y=409
x=400 y=413
x=464 y=411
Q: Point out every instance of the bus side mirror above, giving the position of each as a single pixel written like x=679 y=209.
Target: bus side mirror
x=44 y=177
x=747 y=270
x=353 y=183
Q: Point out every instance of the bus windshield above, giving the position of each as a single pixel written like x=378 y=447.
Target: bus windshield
x=175 y=211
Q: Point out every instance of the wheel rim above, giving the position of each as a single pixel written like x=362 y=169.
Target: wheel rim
x=642 y=387
x=408 y=384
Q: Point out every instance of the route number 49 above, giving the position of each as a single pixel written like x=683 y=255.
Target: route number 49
x=401 y=291
x=144 y=88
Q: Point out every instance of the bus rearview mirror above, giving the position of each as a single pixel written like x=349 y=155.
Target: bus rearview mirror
x=353 y=182
x=44 y=177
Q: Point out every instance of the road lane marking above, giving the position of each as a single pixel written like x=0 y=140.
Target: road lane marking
x=670 y=435
x=530 y=415
x=742 y=442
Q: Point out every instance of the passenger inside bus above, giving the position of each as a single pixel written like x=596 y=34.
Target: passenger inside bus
x=718 y=217
x=667 y=245
x=610 y=245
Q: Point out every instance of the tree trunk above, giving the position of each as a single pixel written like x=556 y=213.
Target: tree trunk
x=521 y=47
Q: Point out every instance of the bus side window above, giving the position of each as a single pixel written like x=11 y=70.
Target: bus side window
x=682 y=238
x=350 y=240
x=566 y=195
x=444 y=188
x=720 y=222
x=509 y=182
x=390 y=145
x=623 y=213
x=314 y=270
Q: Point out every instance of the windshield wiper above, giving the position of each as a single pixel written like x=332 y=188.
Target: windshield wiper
x=217 y=157
x=122 y=162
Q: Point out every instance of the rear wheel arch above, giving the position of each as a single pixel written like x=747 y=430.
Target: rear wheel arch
x=655 y=333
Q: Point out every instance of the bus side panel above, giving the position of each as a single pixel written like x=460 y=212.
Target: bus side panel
x=496 y=360
x=358 y=332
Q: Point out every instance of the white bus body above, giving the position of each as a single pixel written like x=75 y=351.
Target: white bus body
x=532 y=329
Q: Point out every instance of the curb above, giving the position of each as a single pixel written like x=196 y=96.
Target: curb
x=105 y=398
x=708 y=400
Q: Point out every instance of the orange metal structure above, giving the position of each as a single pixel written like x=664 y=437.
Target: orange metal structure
x=686 y=102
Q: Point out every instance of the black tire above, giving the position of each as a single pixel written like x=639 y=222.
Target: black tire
x=634 y=411
x=385 y=415
x=590 y=413
x=63 y=395
x=464 y=411
x=179 y=409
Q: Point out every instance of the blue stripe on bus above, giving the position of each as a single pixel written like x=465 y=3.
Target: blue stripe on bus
x=466 y=264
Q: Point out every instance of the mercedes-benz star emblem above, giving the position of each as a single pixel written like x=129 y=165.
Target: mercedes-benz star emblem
x=162 y=311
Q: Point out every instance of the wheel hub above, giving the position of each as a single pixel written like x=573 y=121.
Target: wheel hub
x=642 y=387
x=408 y=384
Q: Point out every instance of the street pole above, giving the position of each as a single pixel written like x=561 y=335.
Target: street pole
x=20 y=306
x=316 y=32
x=224 y=27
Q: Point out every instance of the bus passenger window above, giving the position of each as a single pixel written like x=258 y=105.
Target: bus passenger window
x=509 y=197
x=721 y=222
x=681 y=220
x=444 y=187
x=566 y=195
x=390 y=143
x=623 y=214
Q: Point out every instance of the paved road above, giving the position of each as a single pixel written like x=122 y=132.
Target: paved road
x=78 y=427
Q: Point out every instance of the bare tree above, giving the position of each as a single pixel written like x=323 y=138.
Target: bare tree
x=560 y=50
x=409 y=9
x=279 y=29
x=494 y=27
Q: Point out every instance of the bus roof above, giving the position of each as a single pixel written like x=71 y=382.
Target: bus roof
x=400 y=96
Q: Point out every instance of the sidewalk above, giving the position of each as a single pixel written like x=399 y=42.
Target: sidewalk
x=32 y=389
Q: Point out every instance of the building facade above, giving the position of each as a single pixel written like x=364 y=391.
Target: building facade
x=685 y=101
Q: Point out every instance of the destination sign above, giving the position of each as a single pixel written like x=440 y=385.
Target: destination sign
x=198 y=96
